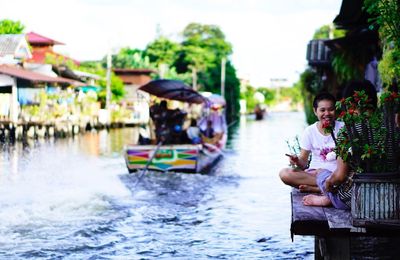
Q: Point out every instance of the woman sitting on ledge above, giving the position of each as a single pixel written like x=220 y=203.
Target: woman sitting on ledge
x=316 y=140
x=336 y=186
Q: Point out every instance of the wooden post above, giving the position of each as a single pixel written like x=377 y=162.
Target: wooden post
x=14 y=103
x=223 y=65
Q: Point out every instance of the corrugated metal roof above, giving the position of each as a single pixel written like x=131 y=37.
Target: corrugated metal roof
x=35 y=77
x=34 y=38
x=10 y=43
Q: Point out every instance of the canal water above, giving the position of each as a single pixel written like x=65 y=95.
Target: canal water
x=73 y=199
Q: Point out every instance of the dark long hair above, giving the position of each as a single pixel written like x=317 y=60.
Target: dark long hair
x=358 y=85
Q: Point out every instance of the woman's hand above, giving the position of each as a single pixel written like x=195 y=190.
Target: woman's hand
x=295 y=161
x=330 y=184
x=338 y=177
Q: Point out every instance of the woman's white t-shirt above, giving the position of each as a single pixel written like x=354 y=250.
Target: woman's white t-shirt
x=321 y=147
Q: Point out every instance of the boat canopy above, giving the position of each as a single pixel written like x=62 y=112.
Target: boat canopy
x=173 y=89
x=216 y=100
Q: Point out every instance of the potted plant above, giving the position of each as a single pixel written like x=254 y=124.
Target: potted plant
x=370 y=144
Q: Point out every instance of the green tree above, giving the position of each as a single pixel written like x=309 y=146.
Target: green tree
x=162 y=51
x=130 y=59
x=248 y=96
x=203 y=48
x=11 y=27
x=171 y=73
x=117 y=86
x=269 y=95
x=196 y=60
x=208 y=37
x=232 y=93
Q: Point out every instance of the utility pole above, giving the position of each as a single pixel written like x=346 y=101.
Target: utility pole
x=162 y=69
x=108 y=78
x=194 y=78
x=223 y=63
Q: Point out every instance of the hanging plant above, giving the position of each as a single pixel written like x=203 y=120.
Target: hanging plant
x=311 y=81
x=342 y=67
x=386 y=17
x=389 y=65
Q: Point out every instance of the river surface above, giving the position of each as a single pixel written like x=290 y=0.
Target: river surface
x=74 y=199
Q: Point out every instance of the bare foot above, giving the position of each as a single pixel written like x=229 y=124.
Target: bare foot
x=316 y=200
x=309 y=188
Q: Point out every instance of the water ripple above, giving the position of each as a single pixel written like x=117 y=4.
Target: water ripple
x=91 y=208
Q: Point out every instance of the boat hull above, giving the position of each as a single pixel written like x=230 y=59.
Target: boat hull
x=183 y=158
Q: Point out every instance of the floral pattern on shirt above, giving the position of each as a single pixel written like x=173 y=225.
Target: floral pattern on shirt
x=328 y=154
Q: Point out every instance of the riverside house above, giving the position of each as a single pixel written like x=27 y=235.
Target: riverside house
x=135 y=101
x=24 y=87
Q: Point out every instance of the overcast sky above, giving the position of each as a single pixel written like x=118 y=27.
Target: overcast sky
x=269 y=37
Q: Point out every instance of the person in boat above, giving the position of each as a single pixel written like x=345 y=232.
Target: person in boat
x=144 y=135
x=209 y=131
x=259 y=112
x=175 y=122
x=218 y=124
x=193 y=132
x=208 y=136
x=160 y=115
x=316 y=141
x=336 y=186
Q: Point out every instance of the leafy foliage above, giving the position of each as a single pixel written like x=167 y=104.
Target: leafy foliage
x=192 y=57
x=201 y=52
x=248 y=95
x=162 y=51
x=232 y=91
x=309 y=85
x=269 y=95
x=386 y=17
x=209 y=37
x=171 y=73
x=272 y=96
x=369 y=142
x=293 y=92
x=117 y=86
x=203 y=47
x=349 y=64
x=130 y=59
x=11 y=27
x=389 y=65
x=324 y=31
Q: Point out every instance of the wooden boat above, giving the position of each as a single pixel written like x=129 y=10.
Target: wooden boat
x=192 y=158
x=259 y=112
